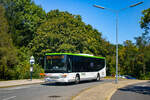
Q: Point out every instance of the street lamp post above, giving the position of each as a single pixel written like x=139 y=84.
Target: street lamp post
x=117 y=13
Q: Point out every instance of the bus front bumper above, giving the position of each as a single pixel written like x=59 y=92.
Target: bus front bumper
x=63 y=80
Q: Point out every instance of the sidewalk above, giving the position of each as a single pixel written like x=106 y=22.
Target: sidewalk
x=12 y=83
x=104 y=91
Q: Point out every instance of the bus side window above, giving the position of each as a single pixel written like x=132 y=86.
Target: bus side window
x=91 y=64
x=75 y=64
x=100 y=64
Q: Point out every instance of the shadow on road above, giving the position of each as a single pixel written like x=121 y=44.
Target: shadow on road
x=68 y=84
x=137 y=89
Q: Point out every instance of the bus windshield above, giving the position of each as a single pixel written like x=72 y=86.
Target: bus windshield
x=55 y=64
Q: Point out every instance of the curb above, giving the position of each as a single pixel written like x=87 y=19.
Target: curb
x=111 y=94
x=116 y=88
x=108 y=92
x=19 y=85
x=73 y=97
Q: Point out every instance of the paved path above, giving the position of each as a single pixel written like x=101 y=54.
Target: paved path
x=12 y=83
x=46 y=91
x=139 y=91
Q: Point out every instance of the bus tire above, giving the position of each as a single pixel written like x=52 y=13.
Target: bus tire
x=77 y=79
x=98 y=77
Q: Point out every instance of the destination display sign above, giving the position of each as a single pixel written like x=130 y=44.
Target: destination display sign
x=54 y=57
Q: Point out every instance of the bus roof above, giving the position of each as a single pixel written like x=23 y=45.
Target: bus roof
x=85 y=55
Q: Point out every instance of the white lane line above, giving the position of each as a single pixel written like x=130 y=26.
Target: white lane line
x=10 y=98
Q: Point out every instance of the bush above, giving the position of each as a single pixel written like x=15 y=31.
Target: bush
x=23 y=70
x=145 y=76
x=37 y=69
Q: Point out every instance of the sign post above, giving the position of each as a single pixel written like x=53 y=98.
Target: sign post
x=31 y=66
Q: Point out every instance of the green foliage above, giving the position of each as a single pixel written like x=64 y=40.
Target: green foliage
x=111 y=65
x=14 y=63
x=8 y=54
x=64 y=32
x=143 y=44
x=127 y=57
x=22 y=70
x=24 y=17
x=37 y=69
x=145 y=76
x=145 y=20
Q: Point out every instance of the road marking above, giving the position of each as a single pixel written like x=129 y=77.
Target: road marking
x=10 y=98
x=17 y=88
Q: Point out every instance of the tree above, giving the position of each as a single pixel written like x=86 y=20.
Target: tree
x=64 y=32
x=24 y=17
x=8 y=53
x=145 y=20
x=145 y=24
x=142 y=43
x=127 y=58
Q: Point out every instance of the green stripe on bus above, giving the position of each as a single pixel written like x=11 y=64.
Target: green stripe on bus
x=74 y=55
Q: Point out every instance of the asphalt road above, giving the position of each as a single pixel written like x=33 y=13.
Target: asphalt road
x=46 y=91
x=139 y=91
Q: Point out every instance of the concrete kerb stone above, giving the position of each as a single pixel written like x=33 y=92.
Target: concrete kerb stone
x=104 y=91
x=13 y=83
x=74 y=97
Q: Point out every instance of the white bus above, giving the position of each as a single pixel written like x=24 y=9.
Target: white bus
x=68 y=67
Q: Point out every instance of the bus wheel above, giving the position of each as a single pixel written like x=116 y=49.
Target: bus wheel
x=98 y=77
x=77 y=79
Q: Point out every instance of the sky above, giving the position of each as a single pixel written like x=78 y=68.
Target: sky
x=104 y=20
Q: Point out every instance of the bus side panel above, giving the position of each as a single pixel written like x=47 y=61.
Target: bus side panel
x=71 y=77
x=103 y=72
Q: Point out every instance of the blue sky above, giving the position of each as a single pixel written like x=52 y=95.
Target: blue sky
x=104 y=20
